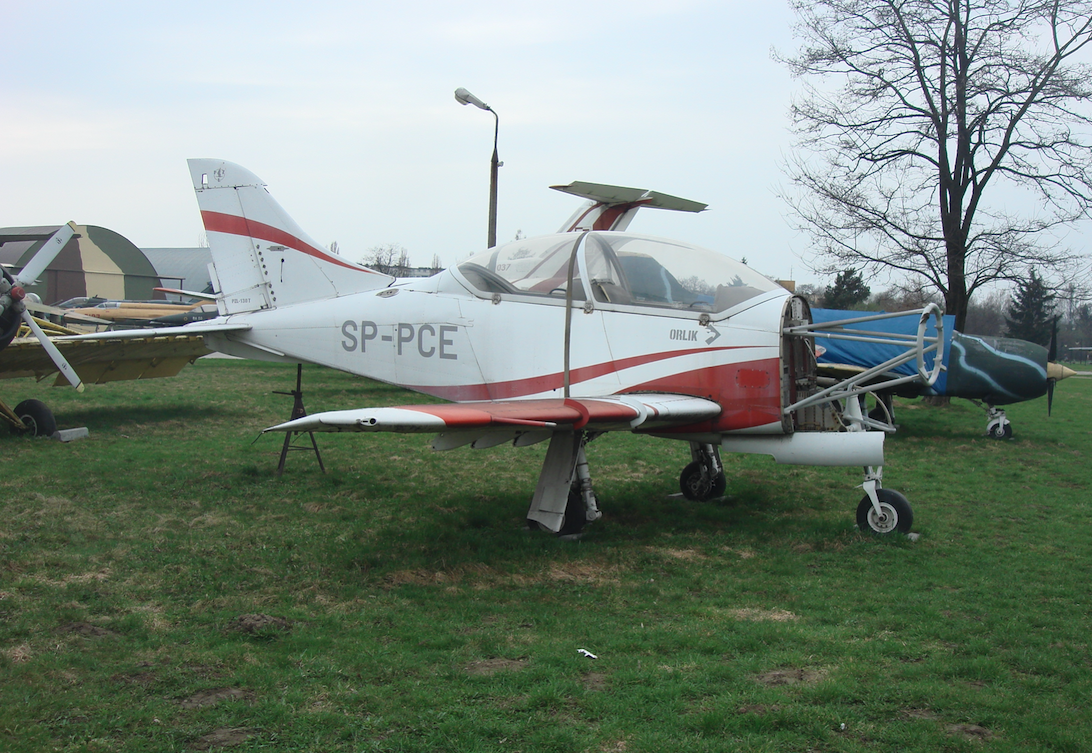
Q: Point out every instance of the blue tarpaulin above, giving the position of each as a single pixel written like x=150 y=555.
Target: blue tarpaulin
x=866 y=354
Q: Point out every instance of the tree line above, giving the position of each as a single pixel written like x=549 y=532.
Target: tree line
x=1030 y=311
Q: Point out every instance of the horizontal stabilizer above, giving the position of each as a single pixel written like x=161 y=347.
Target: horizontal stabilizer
x=614 y=207
x=606 y=194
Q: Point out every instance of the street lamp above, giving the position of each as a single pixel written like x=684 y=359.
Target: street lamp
x=463 y=97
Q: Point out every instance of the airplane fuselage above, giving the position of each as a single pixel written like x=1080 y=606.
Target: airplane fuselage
x=437 y=337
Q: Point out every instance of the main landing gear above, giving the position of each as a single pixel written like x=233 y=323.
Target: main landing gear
x=32 y=418
x=564 y=501
x=703 y=478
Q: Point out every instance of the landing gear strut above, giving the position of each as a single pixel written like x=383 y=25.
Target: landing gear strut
x=703 y=478
x=883 y=511
x=998 y=426
x=564 y=501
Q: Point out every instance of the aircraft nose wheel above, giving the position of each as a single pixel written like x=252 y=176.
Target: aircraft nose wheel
x=895 y=514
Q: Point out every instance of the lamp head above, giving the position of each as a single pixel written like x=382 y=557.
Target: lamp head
x=463 y=97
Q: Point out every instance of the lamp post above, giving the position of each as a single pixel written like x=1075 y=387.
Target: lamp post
x=463 y=97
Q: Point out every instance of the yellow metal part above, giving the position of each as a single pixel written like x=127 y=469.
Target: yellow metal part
x=48 y=327
x=9 y=415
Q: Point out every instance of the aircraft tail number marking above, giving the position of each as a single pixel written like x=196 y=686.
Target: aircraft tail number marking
x=429 y=340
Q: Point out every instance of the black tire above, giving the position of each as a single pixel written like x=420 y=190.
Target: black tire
x=897 y=514
x=576 y=516
x=1001 y=431
x=699 y=489
x=37 y=417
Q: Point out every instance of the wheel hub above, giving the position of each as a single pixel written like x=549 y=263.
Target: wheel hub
x=884 y=521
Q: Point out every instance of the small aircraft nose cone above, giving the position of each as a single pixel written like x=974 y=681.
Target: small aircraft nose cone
x=999 y=370
x=1057 y=372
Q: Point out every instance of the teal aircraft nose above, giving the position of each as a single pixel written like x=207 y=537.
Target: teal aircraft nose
x=996 y=370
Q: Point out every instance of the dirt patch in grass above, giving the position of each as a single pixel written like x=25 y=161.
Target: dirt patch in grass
x=791 y=676
x=594 y=681
x=488 y=667
x=259 y=623
x=423 y=577
x=687 y=555
x=582 y=572
x=86 y=630
x=483 y=576
x=214 y=696
x=970 y=732
x=763 y=615
x=143 y=679
x=759 y=709
x=18 y=654
x=925 y=714
x=78 y=578
x=225 y=737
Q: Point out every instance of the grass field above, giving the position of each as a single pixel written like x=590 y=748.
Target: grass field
x=161 y=590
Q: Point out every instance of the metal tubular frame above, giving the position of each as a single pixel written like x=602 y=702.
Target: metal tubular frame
x=917 y=346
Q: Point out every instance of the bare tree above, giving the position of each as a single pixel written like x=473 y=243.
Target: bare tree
x=390 y=259
x=947 y=115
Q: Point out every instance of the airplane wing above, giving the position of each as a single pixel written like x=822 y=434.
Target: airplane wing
x=489 y=423
x=105 y=360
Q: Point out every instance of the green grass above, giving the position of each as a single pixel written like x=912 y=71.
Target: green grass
x=413 y=612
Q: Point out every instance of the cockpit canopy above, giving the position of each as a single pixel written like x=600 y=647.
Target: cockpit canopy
x=619 y=268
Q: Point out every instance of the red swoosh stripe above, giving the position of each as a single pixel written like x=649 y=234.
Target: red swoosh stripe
x=218 y=222
x=546 y=382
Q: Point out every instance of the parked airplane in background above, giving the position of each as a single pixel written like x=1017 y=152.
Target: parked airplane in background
x=994 y=370
x=560 y=338
x=41 y=355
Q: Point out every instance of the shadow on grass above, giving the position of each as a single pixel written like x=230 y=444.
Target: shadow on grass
x=467 y=531
x=111 y=417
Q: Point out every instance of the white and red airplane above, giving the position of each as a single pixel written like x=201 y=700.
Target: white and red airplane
x=559 y=338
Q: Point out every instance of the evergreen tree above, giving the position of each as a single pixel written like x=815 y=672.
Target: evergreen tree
x=1031 y=313
x=848 y=290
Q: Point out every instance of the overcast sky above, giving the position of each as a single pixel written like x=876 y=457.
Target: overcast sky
x=346 y=111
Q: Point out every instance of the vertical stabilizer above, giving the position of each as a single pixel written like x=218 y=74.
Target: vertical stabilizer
x=262 y=258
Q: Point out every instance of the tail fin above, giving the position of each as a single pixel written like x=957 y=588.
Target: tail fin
x=261 y=258
x=613 y=207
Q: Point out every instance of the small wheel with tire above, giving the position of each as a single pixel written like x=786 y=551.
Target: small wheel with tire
x=895 y=514
x=37 y=417
x=698 y=486
x=1001 y=431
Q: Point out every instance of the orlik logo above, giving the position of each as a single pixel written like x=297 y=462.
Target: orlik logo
x=691 y=335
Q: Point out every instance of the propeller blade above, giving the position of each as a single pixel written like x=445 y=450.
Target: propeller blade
x=1050 y=396
x=45 y=256
x=62 y=365
x=1052 y=352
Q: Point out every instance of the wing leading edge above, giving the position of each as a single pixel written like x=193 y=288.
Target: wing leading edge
x=485 y=424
